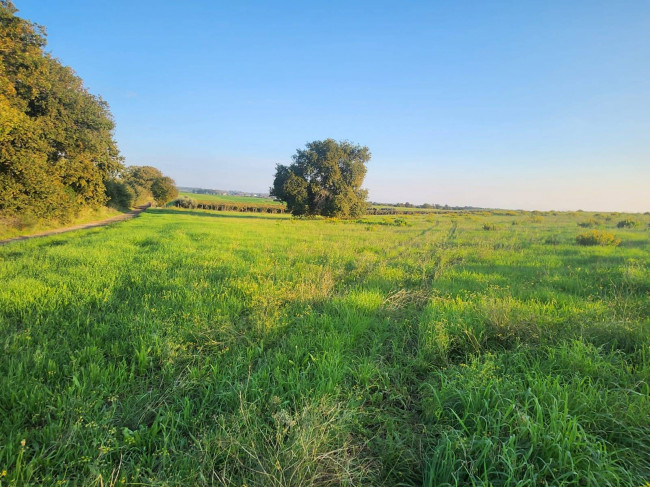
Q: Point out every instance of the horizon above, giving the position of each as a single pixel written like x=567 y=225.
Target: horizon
x=265 y=194
x=518 y=106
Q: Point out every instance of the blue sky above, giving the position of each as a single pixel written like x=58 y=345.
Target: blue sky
x=520 y=104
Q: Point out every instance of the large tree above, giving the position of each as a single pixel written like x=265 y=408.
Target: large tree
x=56 y=139
x=325 y=179
x=164 y=190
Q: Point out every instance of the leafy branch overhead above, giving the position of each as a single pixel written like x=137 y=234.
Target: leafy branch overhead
x=324 y=179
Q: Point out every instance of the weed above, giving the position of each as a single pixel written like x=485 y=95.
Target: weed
x=628 y=223
x=597 y=237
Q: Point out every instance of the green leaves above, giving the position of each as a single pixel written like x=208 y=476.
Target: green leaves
x=147 y=183
x=164 y=190
x=56 y=139
x=324 y=179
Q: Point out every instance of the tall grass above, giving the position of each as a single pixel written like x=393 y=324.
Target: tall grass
x=188 y=348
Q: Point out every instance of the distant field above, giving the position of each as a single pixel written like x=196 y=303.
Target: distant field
x=230 y=198
x=212 y=348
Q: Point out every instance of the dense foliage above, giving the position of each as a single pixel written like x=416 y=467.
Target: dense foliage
x=324 y=179
x=597 y=237
x=56 y=139
x=138 y=185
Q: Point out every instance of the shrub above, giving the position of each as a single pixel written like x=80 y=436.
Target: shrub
x=120 y=195
x=596 y=237
x=628 y=223
x=489 y=226
x=184 y=202
x=588 y=223
x=400 y=222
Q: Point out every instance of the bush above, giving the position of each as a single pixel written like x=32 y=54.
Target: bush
x=489 y=226
x=628 y=223
x=119 y=194
x=588 y=223
x=184 y=202
x=400 y=222
x=596 y=237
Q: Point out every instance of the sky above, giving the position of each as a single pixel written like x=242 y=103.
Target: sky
x=518 y=104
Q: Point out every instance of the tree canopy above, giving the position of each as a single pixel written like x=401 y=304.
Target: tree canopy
x=325 y=179
x=56 y=139
x=57 y=152
x=140 y=184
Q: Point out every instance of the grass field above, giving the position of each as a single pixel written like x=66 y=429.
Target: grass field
x=227 y=198
x=194 y=348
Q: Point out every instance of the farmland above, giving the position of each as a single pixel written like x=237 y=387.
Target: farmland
x=189 y=347
x=226 y=198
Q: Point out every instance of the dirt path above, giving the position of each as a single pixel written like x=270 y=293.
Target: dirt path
x=101 y=223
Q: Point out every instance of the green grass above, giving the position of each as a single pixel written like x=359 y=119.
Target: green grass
x=198 y=348
x=15 y=227
x=227 y=198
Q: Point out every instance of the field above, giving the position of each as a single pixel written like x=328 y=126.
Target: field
x=227 y=198
x=202 y=348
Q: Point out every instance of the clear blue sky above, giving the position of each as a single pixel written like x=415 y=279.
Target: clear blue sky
x=520 y=104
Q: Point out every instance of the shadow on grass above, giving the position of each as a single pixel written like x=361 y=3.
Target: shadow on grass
x=639 y=244
x=220 y=214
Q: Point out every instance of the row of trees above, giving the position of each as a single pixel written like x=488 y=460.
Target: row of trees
x=57 y=151
x=138 y=185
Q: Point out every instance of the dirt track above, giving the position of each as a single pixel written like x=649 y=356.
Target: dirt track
x=101 y=223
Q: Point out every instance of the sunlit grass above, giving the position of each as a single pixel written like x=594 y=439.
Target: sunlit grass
x=14 y=227
x=202 y=348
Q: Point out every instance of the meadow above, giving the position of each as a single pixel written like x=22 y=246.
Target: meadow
x=227 y=198
x=190 y=347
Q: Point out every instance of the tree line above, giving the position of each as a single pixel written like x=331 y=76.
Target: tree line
x=191 y=203
x=58 y=154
